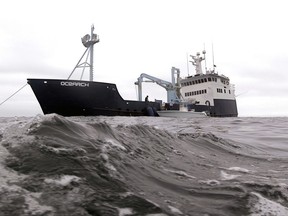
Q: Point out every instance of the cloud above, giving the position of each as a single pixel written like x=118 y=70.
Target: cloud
x=42 y=39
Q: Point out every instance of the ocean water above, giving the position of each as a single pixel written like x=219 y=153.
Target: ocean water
x=54 y=165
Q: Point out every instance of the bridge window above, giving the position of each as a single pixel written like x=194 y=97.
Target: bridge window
x=193 y=93
x=219 y=90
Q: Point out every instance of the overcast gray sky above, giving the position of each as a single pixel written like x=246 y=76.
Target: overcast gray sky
x=42 y=39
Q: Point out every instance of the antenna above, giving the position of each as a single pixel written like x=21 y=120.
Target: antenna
x=187 y=63
x=213 y=57
x=204 y=52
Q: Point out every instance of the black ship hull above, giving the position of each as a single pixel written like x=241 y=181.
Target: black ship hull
x=221 y=108
x=86 y=98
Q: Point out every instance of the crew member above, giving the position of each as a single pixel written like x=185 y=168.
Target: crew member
x=146 y=99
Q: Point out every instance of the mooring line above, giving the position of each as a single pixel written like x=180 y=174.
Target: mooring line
x=13 y=94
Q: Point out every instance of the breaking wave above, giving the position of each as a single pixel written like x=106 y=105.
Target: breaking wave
x=51 y=165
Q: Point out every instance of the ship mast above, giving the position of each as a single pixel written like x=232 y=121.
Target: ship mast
x=88 y=41
x=197 y=62
x=92 y=53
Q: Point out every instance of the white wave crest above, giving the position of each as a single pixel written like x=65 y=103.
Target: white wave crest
x=63 y=180
x=265 y=206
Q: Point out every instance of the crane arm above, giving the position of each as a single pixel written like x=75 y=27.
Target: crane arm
x=170 y=87
x=165 y=84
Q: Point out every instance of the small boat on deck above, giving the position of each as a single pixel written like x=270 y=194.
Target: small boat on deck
x=181 y=114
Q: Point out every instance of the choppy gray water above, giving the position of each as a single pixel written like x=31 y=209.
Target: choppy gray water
x=51 y=165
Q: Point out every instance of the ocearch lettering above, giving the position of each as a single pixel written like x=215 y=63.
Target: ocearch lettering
x=77 y=84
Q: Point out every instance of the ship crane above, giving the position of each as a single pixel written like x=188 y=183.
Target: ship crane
x=172 y=88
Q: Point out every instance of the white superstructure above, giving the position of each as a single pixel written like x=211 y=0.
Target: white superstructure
x=209 y=91
x=203 y=89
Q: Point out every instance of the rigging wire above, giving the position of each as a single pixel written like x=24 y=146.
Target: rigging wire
x=13 y=94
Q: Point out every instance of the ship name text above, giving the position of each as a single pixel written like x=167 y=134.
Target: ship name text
x=78 y=84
